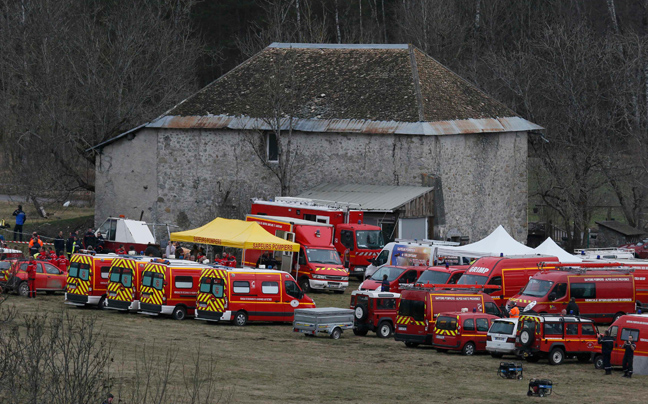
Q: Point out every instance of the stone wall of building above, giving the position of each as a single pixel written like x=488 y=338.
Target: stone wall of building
x=188 y=177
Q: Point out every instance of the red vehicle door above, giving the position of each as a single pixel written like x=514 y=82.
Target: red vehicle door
x=54 y=277
x=269 y=304
x=481 y=329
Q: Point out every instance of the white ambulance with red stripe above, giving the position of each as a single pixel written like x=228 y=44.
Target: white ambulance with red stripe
x=246 y=294
x=317 y=266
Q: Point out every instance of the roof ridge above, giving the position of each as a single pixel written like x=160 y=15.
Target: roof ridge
x=417 y=83
x=471 y=84
x=302 y=45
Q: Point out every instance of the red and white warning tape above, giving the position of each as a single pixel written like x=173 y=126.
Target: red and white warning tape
x=25 y=242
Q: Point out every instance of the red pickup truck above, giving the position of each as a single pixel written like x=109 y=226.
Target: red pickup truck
x=49 y=278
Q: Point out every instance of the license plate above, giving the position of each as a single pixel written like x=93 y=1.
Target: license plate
x=440 y=336
x=500 y=339
x=72 y=286
x=146 y=295
x=358 y=270
x=112 y=294
x=402 y=328
x=333 y=285
x=202 y=304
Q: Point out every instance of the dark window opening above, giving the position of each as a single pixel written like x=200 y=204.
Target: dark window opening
x=272 y=148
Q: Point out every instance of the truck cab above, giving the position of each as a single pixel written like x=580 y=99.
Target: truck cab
x=358 y=244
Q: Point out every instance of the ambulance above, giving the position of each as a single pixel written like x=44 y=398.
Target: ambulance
x=602 y=295
x=170 y=288
x=420 y=307
x=318 y=265
x=247 y=294
x=356 y=242
x=87 y=279
x=631 y=324
x=124 y=281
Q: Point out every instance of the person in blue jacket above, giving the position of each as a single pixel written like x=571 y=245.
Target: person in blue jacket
x=21 y=217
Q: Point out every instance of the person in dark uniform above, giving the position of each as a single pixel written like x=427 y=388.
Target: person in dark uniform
x=572 y=307
x=59 y=244
x=628 y=357
x=384 y=285
x=607 y=345
x=31 y=278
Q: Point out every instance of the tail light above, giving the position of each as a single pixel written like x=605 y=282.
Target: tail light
x=489 y=338
x=226 y=303
x=511 y=340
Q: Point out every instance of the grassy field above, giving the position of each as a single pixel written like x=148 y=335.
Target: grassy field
x=270 y=363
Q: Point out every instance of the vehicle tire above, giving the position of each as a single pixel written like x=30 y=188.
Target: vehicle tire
x=179 y=313
x=556 y=356
x=385 y=329
x=338 y=292
x=336 y=333
x=468 y=349
x=360 y=332
x=411 y=344
x=598 y=362
x=526 y=337
x=240 y=318
x=361 y=312
x=304 y=285
x=49 y=292
x=497 y=355
x=23 y=289
x=583 y=358
x=13 y=284
x=532 y=359
x=102 y=303
x=616 y=316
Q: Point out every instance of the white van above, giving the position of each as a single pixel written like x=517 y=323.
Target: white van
x=411 y=253
x=500 y=339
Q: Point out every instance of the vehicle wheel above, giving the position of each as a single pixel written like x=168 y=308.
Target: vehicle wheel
x=532 y=359
x=556 y=356
x=338 y=292
x=411 y=344
x=102 y=303
x=23 y=289
x=240 y=318
x=361 y=312
x=616 y=316
x=179 y=313
x=526 y=337
x=598 y=362
x=304 y=285
x=360 y=332
x=385 y=329
x=583 y=358
x=496 y=355
x=335 y=334
x=468 y=349
x=49 y=292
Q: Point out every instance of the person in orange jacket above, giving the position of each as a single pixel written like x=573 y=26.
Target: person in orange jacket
x=35 y=244
x=31 y=278
x=515 y=311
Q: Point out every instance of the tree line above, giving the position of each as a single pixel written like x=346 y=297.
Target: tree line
x=75 y=73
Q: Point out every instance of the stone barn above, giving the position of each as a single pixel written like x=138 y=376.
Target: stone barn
x=295 y=116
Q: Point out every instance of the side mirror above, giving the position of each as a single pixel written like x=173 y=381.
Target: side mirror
x=301 y=294
x=552 y=297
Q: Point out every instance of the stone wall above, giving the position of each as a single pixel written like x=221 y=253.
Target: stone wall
x=195 y=175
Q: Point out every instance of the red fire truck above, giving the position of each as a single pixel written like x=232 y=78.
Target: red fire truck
x=354 y=241
x=317 y=266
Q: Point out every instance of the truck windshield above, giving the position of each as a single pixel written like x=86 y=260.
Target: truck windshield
x=391 y=272
x=472 y=280
x=537 y=288
x=4 y=265
x=320 y=256
x=79 y=270
x=433 y=278
x=412 y=308
x=369 y=239
x=153 y=280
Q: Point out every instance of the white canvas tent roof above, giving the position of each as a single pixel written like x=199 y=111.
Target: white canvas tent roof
x=549 y=247
x=496 y=243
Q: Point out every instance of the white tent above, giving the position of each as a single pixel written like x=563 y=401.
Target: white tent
x=499 y=242
x=549 y=247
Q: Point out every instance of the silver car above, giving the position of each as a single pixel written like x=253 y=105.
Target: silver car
x=500 y=339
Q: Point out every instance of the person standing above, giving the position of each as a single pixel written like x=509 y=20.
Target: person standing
x=35 y=244
x=21 y=217
x=170 y=249
x=69 y=245
x=59 y=244
x=628 y=357
x=89 y=239
x=31 y=278
x=384 y=285
x=572 y=307
x=515 y=311
x=607 y=345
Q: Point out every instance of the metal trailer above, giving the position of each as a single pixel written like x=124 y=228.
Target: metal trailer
x=329 y=320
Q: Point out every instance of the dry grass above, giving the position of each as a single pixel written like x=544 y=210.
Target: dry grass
x=270 y=363
x=55 y=211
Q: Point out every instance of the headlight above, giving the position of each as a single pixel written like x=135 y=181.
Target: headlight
x=319 y=276
x=345 y=278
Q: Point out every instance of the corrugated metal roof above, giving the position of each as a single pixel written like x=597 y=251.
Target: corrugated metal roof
x=622 y=228
x=369 y=197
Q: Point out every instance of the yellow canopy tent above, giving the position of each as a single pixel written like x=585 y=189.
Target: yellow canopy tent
x=237 y=234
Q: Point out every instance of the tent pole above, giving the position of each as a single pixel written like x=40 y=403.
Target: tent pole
x=243 y=258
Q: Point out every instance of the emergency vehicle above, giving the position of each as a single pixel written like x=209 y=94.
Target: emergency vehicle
x=124 y=282
x=504 y=277
x=248 y=294
x=357 y=243
x=170 y=288
x=555 y=338
x=119 y=230
x=630 y=324
x=398 y=278
x=374 y=311
x=318 y=265
x=420 y=307
x=441 y=275
x=9 y=253
x=49 y=278
x=87 y=279
x=413 y=253
x=600 y=295
x=462 y=331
